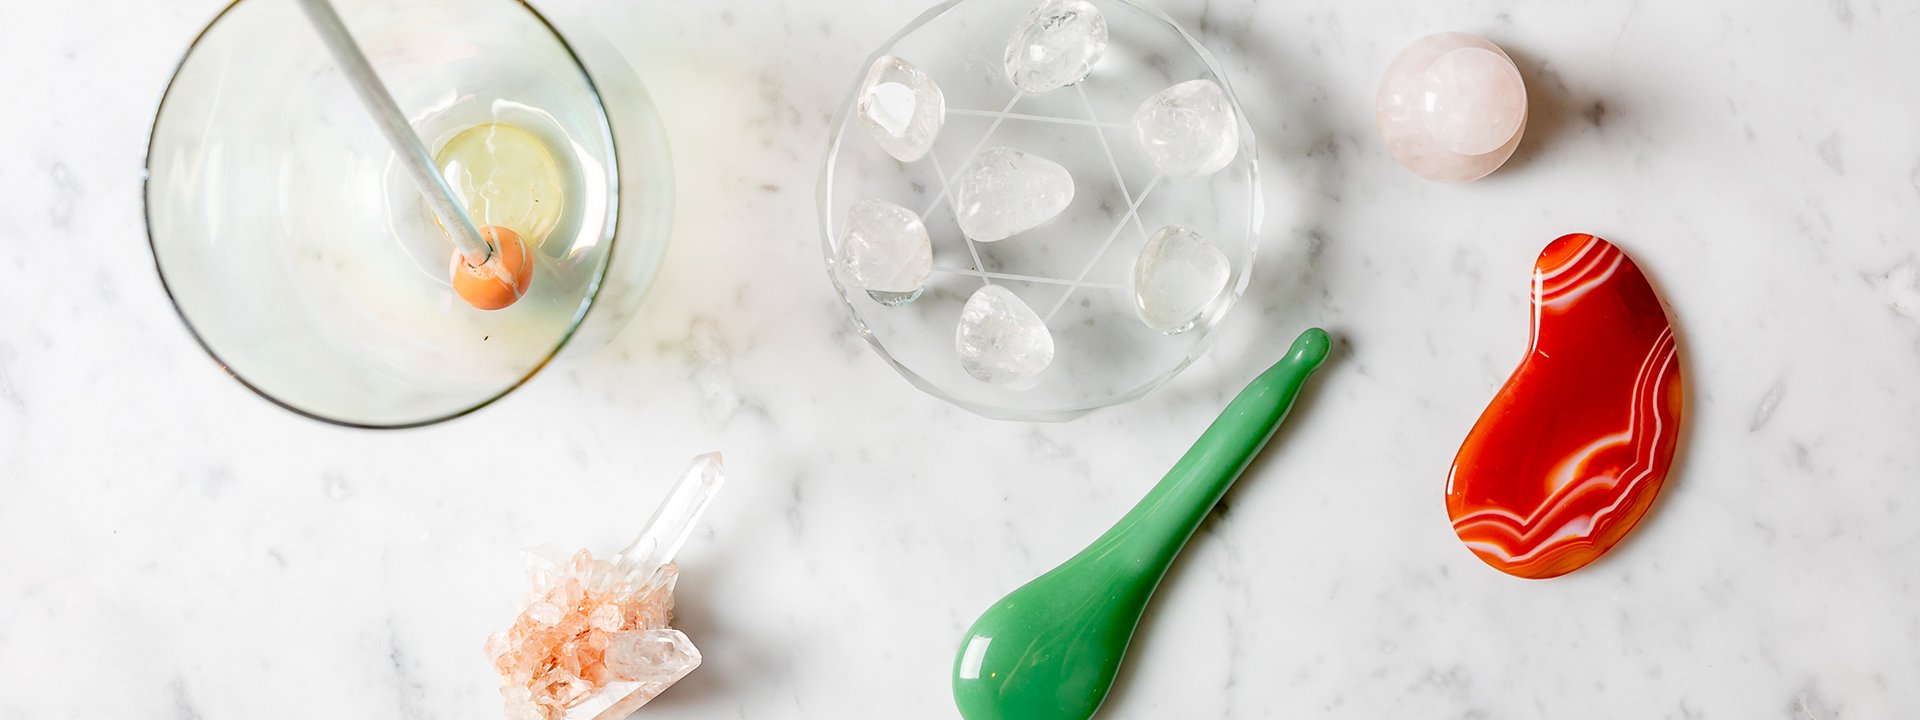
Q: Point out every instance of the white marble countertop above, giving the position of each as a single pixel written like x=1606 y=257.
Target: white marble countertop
x=172 y=546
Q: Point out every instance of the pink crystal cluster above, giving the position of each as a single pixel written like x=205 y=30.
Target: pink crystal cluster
x=592 y=641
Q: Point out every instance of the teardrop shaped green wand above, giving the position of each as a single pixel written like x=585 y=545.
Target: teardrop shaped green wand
x=1050 y=650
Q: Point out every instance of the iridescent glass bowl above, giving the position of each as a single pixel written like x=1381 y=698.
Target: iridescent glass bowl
x=304 y=261
x=1074 y=272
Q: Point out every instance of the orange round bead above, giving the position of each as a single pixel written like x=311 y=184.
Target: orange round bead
x=502 y=279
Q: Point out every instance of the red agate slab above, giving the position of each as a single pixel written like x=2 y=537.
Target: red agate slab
x=1573 y=449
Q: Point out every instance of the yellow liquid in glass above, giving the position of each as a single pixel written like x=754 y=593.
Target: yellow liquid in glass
x=507 y=177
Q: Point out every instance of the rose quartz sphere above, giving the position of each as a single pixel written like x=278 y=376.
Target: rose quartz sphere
x=1452 y=107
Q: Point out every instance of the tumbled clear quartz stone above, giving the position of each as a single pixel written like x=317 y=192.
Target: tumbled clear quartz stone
x=884 y=250
x=1188 y=130
x=1005 y=192
x=1176 y=278
x=901 y=108
x=1000 y=340
x=1056 y=45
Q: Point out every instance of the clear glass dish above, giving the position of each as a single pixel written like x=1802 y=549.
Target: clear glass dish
x=1075 y=272
x=303 y=260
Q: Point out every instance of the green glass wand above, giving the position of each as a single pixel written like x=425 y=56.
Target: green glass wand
x=1050 y=650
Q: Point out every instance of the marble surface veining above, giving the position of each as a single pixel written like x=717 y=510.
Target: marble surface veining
x=173 y=547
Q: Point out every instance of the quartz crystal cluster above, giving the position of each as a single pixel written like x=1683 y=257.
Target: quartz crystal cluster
x=1188 y=130
x=593 y=642
x=590 y=626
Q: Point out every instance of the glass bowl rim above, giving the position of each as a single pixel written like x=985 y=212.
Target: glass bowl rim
x=610 y=237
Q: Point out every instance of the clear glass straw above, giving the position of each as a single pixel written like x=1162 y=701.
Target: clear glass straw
x=399 y=133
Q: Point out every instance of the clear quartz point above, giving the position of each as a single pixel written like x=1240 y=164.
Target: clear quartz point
x=593 y=641
x=661 y=657
x=675 y=519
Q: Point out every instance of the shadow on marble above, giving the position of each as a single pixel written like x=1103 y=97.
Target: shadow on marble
x=1553 y=110
x=1303 y=176
x=724 y=666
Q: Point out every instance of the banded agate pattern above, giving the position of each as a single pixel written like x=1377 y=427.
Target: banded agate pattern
x=1573 y=449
